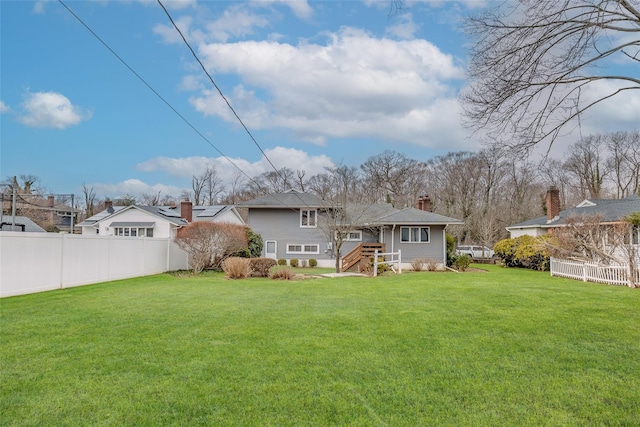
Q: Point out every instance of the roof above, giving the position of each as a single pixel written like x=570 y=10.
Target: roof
x=417 y=216
x=373 y=214
x=610 y=210
x=163 y=212
x=7 y=224
x=288 y=199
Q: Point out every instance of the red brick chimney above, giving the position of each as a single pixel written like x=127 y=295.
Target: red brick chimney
x=424 y=203
x=186 y=210
x=553 y=203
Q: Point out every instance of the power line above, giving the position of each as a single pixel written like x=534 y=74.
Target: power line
x=184 y=119
x=216 y=86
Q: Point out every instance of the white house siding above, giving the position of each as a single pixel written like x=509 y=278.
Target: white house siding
x=517 y=232
x=162 y=227
x=283 y=226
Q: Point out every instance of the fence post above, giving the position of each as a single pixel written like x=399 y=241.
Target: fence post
x=584 y=271
x=399 y=262
x=375 y=263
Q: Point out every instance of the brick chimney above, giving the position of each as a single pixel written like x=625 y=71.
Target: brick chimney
x=186 y=210
x=108 y=205
x=424 y=203
x=553 y=203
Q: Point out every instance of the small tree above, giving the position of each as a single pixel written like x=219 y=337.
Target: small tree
x=209 y=243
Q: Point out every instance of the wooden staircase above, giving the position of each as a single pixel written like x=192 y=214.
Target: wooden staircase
x=362 y=251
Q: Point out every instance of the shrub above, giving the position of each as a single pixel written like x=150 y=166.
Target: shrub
x=209 y=243
x=303 y=263
x=381 y=267
x=260 y=266
x=418 y=264
x=254 y=243
x=524 y=251
x=313 y=263
x=293 y=262
x=282 y=261
x=432 y=264
x=282 y=273
x=462 y=262
x=236 y=267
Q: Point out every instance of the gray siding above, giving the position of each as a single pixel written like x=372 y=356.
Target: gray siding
x=283 y=226
x=435 y=249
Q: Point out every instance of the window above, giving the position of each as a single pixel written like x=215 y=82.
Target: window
x=414 y=234
x=133 y=231
x=303 y=249
x=351 y=236
x=308 y=218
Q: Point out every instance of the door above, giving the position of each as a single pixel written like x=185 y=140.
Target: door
x=271 y=249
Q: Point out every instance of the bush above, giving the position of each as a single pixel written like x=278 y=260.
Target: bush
x=462 y=262
x=303 y=263
x=313 y=263
x=236 y=267
x=260 y=266
x=418 y=264
x=381 y=267
x=282 y=273
x=524 y=251
x=209 y=243
x=293 y=262
x=282 y=261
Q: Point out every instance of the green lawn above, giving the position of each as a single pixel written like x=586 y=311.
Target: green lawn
x=504 y=347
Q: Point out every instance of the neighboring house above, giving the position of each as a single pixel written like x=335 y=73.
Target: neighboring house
x=154 y=221
x=608 y=210
x=46 y=211
x=22 y=223
x=294 y=225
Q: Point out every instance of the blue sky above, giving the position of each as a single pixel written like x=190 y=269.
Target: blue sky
x=317 y=83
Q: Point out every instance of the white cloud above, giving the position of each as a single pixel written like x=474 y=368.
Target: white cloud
x=406 y=29
x=51 y=110
x=280 y=157
x=300 y=8
x=134 y=187
x=4 y=108
x=354 y=86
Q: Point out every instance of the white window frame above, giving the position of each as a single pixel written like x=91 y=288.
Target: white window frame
x=126 y=231
x=308 y=217
x=354 y=239
x=411 y=236
x=305 y=249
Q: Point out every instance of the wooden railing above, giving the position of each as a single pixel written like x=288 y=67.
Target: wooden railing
x=360 y=252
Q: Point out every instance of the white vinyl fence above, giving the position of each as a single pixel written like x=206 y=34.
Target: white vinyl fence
x=36 y=262
x=590 y=272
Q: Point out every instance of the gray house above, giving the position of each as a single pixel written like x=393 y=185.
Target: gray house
x=302 y=226
x=610 y=211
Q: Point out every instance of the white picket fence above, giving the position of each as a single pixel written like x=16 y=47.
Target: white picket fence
x=36 y=262
x=591 y=272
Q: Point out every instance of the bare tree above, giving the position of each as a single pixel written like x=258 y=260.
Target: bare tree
x=89 y=199
x=150 y=199
x=394 y=178
x=533 y=61
x=624 y=161
x=587 y=163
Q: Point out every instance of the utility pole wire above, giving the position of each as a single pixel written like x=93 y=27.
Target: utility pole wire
x=216 y=86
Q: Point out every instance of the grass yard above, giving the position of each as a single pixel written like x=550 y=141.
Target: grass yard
x=497 y=348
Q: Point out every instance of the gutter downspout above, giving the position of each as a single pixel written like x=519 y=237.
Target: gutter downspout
x=393 y=237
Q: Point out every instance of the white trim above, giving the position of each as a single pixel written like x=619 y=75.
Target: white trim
x=419 y=237
x=274 y=254
x=303 y=247
x=315 y=218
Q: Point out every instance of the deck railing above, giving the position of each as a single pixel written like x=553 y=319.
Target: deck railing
x=362 y=251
